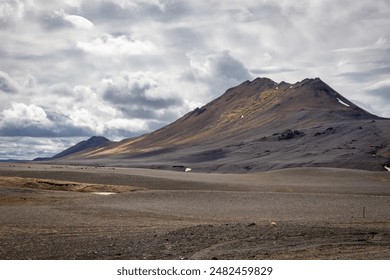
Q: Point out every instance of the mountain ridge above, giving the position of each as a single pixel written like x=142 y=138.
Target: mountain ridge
x=261 y=125
x=92 y=142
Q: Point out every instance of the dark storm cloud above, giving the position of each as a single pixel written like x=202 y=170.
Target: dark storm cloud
x=231 y=68
x=216 y=65
x=37 y=131
x=217 y=71
x=136 y=95
x=131 y=95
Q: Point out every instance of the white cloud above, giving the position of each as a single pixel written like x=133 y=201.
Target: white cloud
x=22 y=148
x=12 y=9
x=385 y=84
x=134 y=4
x=108 y=45
x=82 y=117
x=73 y=3
x=135 y=125
x=75 y=20
x=25 y=115
x=267 y=56
x=381 y=43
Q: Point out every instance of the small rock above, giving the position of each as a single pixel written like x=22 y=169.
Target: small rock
x=273 y=224
x=289 y=134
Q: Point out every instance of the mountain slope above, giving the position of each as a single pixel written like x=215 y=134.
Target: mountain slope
x=91 y=143
x=261 y=125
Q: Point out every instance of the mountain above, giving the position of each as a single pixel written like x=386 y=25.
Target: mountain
x=83 y=146
x=260 y=125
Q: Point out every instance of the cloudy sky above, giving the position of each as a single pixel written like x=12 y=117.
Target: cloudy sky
x=71 y=69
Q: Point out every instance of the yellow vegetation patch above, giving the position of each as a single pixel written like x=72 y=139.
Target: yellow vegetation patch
x=48 y=184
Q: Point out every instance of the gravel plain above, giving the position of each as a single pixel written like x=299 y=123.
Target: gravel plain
x=80 y=212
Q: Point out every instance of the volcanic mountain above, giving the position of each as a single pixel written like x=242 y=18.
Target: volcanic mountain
x=83 y=146
x=260 y=125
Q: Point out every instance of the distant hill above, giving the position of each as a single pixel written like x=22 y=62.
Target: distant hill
x=83 y=146
x=260 y=125
x=13 y=160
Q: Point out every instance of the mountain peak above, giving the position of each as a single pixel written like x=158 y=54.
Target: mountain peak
x=316 y=83
x=262 y=125
x=91 y=143
x=262 y=80
x=97 y=140
x=262 y=83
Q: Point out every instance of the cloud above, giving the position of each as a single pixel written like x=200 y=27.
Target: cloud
x=22 y=148
x=380 y=89
x=7 y=84
x=135 y=11
x=11 y=9
x=377 y=97
x=216 y=71
x=26 y=114
x=108 y=45
x=22 y=119
x=272 y=70
x=380 y=44
x=137 y=4
x=129 y=125
x=34 y=121
x=73 y=3
x=365 y=63
x=60 y=19
x=366 y=69
x=206 y=66
x=366 y=75
x=139 y=94
x=76 y=20
x=121 y=68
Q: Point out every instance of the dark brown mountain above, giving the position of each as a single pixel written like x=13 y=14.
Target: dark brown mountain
x=260 y=125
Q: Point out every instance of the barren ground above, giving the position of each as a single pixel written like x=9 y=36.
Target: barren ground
x=75 y=212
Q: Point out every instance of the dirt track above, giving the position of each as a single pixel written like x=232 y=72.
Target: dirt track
x=290 y=214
